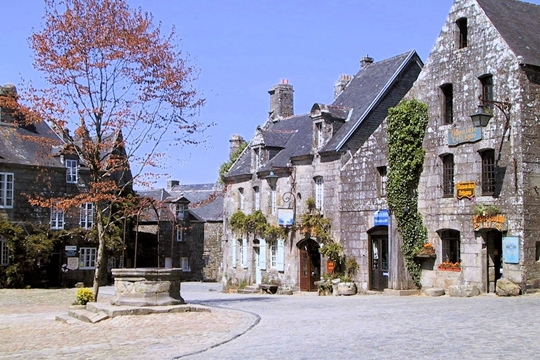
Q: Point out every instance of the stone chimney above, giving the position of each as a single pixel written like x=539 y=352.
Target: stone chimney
x=235 y=142
x=171 y=184
x=366 y=61
x=281 y=101
x=341 y=84
x=6 y=113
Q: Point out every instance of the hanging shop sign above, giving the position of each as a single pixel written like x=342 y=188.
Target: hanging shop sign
x=466 y=190
x=464 y=135
x=511 y=249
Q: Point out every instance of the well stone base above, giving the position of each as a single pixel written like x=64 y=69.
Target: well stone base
x=147 y=287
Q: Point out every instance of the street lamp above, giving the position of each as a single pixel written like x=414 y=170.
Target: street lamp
x=481 y=118
x=272 y=179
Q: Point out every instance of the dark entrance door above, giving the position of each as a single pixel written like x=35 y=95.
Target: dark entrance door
x=378 y=262
x=310 y=264
x=494 y=258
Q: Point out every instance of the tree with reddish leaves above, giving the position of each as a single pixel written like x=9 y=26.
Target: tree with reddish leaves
x=118 y=85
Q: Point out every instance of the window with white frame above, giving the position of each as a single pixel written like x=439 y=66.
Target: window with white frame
x=273 y=194
x=273 y=254
x=87 y=216
x=257 y=198
x=4 y=252
x=6 y=190
x=184 y=264
x=71 y=171
x=57 y=219
x=319 y=193
x=179 y=234
x=87 y=258
x=180 y=210
x=319 y=135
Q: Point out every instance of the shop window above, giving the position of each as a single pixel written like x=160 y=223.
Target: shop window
x=448 y=105
x=462 y=30
x=488 y=172
x=450 y=245
x=448 y=175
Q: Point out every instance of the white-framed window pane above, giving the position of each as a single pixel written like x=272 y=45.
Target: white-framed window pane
x=319 y=193
x=71 y=171
x=257 y=198
x=244 y=253
x=57 y=219
x=4 y=252
x=87 y=216
x=87 y=258
x=6 y=190
x=184 y=263
x=273 y=254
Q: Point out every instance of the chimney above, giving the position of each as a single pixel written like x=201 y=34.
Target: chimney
x=366 y=61
x=235 y=142
x=171 y=184
x=7 y=111
x=281 y=101
x=341 y=84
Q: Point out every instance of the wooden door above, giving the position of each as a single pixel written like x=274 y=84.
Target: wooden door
x=379 y=262
x=305 y=270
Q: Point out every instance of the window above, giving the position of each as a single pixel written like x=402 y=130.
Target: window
x=319 y=193
x=488 y=172
x=180 y=211
x=234 y=252
x=71 y=172
x=382 y=180
x=538 y=251
x=241 y=199
x=179 y=234
x=448 y=175
x=87 y=216
x=273 y=194
x=257 y=158
x=273 y=254
x=277 y=254
x=6 y=190
x=319 y=140
x=87 y=258
x=184 y=264
x=462 y=33
x=57 y=219
x=487 y=89
x=4 y=252
x=244 y=253
x=448 y=106
x=257 y=198
x=450 y=245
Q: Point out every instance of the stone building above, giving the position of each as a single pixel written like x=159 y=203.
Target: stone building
x=479 y=192
x=187 y=222
x=305 y=155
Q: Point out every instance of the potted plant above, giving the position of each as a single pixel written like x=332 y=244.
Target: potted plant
x=346 y=286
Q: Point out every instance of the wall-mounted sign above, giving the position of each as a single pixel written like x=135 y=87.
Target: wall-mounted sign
x=71 y=250
x=465 y=190
x=380 y=218
x=285 y=217
x=511 y=249
x=464 y=135
x=490 y=222
x=72 y=263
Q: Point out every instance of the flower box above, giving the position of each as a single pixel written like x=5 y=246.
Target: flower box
x=449 y=266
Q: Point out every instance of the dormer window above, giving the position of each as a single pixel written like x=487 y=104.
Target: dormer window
x=257 y=158
x=462 y=40
x=319 y=139
x=71 y=171
x=180 y=211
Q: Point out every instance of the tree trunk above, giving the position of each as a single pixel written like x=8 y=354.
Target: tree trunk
x=101 y=249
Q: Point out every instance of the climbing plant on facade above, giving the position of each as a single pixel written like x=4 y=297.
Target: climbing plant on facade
x=407 y=124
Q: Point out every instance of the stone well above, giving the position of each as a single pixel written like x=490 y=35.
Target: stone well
x=147 y=287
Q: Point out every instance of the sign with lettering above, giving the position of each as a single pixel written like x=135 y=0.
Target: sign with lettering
x=72 y=263
x=71 y=250
x=466 y=190
x=464 y=135
x=511 y=249
x=380 y=218
x=489 y=222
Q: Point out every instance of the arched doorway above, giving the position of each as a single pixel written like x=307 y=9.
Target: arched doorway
x=378 y=258
x=493 y=241
x=310 y=264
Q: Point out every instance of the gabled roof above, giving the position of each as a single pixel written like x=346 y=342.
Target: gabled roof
x=518 y=23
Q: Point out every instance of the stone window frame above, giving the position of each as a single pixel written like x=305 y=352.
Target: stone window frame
x=4 y=251
x=241 y=199
x=256 y=198
x=450 y=245
x=486 y=83
x=488 y=180
x=87 y=258
x=462 y=37
x=319 y=192
x=319 y=134
x=448 y=175
x=447 y=90
x=7 y=190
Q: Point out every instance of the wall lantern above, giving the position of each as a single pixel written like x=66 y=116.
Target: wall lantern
x=481 y=118
x=272 y=179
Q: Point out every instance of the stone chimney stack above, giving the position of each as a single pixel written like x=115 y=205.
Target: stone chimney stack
x=235 y=142
x=171 y=184
x=341 y=84
x=6 y=114
x=366 y=61
x=281 y=101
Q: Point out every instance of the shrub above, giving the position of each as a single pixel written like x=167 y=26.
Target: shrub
x=84 y=295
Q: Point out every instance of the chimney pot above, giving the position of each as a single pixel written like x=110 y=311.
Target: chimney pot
x=281 y=101
x=366 y=61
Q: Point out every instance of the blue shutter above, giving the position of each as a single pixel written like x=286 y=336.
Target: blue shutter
x=244 y=253
x=281 y=255
x=234 y=241
x=262 y=254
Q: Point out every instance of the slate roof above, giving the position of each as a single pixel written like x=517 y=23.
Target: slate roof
x=31 y=145
x=518 y=23
x=354 y=104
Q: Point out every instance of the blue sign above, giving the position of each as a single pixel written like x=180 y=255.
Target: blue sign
x=380 y=218
x=466 y=135
x=511 y=249
x=285 y=217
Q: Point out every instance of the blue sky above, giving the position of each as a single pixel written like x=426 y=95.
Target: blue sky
x=244 y=47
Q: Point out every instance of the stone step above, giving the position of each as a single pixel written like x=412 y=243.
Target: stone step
x=88 y=316
x=251 y=289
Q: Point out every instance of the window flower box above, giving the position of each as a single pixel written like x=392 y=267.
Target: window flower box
x=449 y=266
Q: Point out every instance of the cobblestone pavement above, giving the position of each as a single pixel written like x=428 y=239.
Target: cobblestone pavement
x=301 y=326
